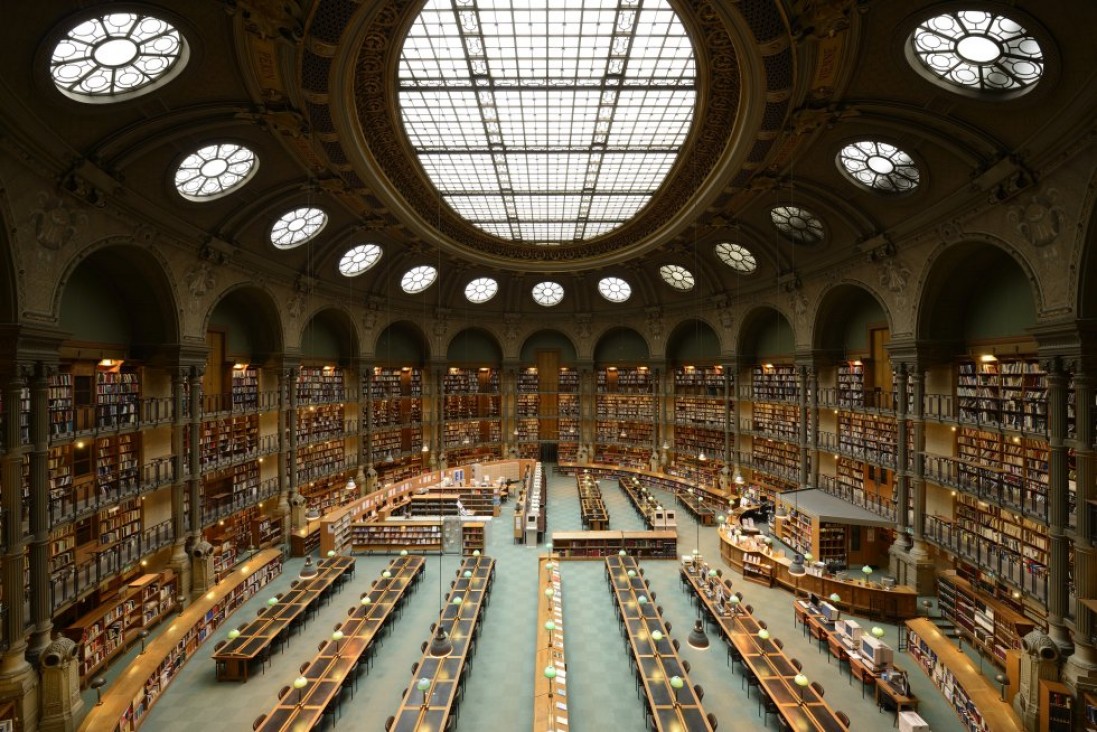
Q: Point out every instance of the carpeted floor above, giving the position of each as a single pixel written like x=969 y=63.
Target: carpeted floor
x=601 y=690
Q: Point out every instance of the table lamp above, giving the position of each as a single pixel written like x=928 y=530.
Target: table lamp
x=835 y=598
x=763 y=634
x=877 y=631
x=98 y=683
x=657 y=635
x=386 y=574
x=866 y=570
x=734 y=602
x=331 y=553
x=403 y=552
x=631 y=573
x=676 y=683
x=300 y=683
x=475 y=552
x=468 y=574
x=423 y=685
x=801 y=681
x=550 y=674
x=366 y=600
x=642 y=599
x=271 y=602
x=550 y=626
x=457 y=599
x=549 y=592
x=337 y=636
x=234 y=634
x=622 y=553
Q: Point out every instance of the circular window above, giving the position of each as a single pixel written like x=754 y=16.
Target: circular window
x=736 y=256
x=677 y=277
x=296 y=227
x=115 y=56
x=548 y=293
x=614 y=289
x=214 y=170
x=418 y=278
x=481 y=289
x=979 y=50
x=797 y=224
x=359 y=258
x=879 y=166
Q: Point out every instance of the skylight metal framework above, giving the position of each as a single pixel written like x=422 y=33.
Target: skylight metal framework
x=548 y=123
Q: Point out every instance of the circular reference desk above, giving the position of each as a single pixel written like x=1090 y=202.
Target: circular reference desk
x=857 y=597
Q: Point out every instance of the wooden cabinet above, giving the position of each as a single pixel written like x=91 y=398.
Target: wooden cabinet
x=598 y=544
x=1056 y=707
x=758 y=567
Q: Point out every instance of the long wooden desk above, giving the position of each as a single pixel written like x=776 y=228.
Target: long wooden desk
x=550 y=696
x=430 y=710
x=857 y=598
x=238 y=653
x=802 y=708
x=301 y=710
x=592 y=507
x=657 y=661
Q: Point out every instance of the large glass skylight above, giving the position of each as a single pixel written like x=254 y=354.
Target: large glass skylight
x=294 y=228
x=109 y=57
x=548 y=293
x=879 y=166
x=736 y=256
x=980 y=50
x=677 y=276
x=418 y=278
x=214 y=170
x=614 y=289
x=358 y=259
x=481 y=289
x=547 y=122
x=797 y=223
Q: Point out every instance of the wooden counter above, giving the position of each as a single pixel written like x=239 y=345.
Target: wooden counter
x=997 y=715
x=856 y=598
x=127 y=701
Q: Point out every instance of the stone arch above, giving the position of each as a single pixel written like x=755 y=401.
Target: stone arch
x=261 y=315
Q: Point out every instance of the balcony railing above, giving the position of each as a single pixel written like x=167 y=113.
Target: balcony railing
x=1029 y=577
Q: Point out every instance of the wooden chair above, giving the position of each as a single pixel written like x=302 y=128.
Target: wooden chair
x=283 y=691
x=699 y=691
x=843 y=718
x=712 y=720
x=818 y=688
x=259 y=721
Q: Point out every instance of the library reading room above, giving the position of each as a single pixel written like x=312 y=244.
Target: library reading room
x=551 y=365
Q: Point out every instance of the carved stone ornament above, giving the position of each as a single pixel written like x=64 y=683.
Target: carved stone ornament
x=582 y=327
x=1040 y=220
x=296 y=305
x=511 y=322
x=270 y=18
x=655 y=323
x=55 y=223
x=894 y=275
x=200 y=279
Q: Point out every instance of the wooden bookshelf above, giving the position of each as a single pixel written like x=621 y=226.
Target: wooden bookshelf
x=989 y=623
x=1088 y=701
x=758 y=567
x=971 y=694
x=870 y=437
x=61 y=405
x=320 y=385
x=244 y=384
x=851 y=384
x=393 y=537
x=127 y=701
x=117 y=394
x=774 y=383
x=1011 y=470
x=598 y=544
x=111 y=627
x=1008 y=393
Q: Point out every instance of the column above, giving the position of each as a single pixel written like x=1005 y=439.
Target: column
x=1081 y=666
x=18 y=679
x=11 y=468
x=289 y=455
x=813 y=434
x=40 y=604
x=1058 y=595
x=284 y=491
x=587 y=406
x=179 y=517
x=802 y=399
x=194 y=425
x=902 y=476
x=918 y=482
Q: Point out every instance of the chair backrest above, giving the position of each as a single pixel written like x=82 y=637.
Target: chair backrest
x=283 y=691
x=762 y=624
x=304 y=666
x=220 y=645
x=843 y=718
x=686 y=666
x=817 y=687
x=699 y=691
x=389 y=722
x=321 y=645
x=675 y=644
x=259 y=721
x=778 y=642
x=796 y=663
x=712 y=720
x=668 y=626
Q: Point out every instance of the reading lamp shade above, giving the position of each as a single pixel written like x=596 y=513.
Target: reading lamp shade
x=797 y=569
x=309 y=570
x=697 y=639
x=440 y=645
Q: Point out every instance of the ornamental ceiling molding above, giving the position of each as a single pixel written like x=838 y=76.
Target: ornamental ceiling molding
x=714 y=126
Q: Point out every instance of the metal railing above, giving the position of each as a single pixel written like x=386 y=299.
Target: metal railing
x=68 y=584
x=1026 y=575
x=883 y=507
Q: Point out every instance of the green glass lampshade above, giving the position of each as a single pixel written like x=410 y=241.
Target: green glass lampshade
x=366 y=600
x=234 y=634
x=763 y=634
x=550 y=626
x=422 y=684
x=877 y=632
x=386 y=574
x=468 y=573
x=549 y=672
x=801 y=680
x=835 y=597
x=676 y=682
